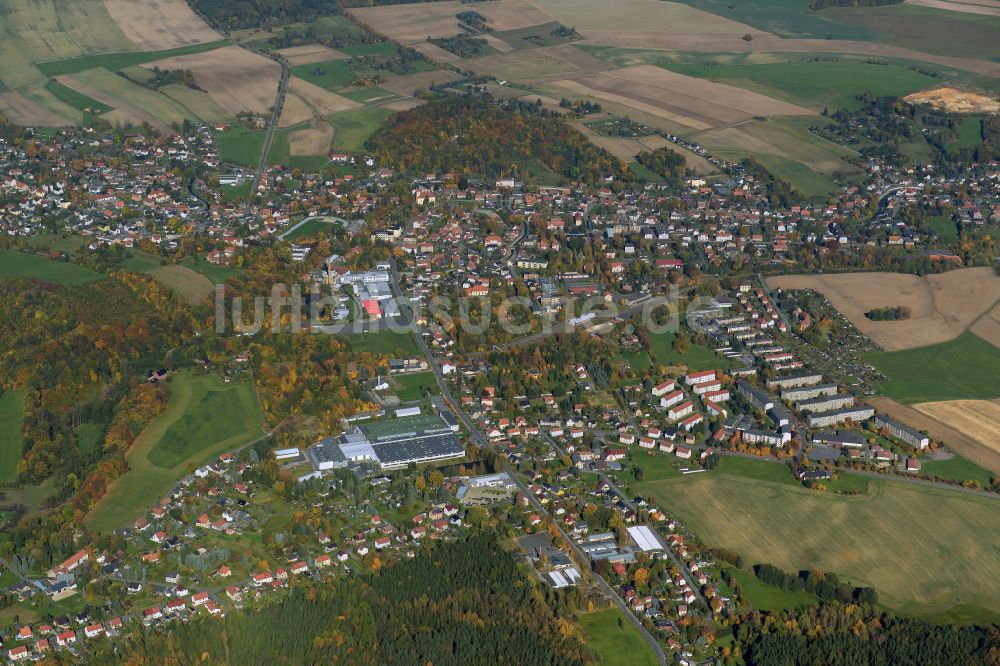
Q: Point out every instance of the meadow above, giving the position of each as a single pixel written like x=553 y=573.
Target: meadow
x=20 y=265
x=383 y=342
x=352 y=128
x=11 y=420
x=956 y=468
x=762 y=596
x=967 y=367
x=698 y=357
x=204 y=419
x=612 y=643
x=408 y=387
x=944 y=567
x=814 y=83
x=240 y=145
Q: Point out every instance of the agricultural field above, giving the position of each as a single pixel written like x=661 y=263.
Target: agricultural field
x=813 y=84
x=979 y=419
x=945 y=566
x=240 y=145
x=966 y=367
x=78 y=101
x=942 y=306
x=11 y=420
x=20 y=265
x=352 y=128
x=204 y=419
x=613 y=643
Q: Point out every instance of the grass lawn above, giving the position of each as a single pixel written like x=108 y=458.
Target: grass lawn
x=766 y=597
x=385 y=342
x=656 y=466
x=115 y=61
x=309 y=163
x=956 y=468
x=240 y=145
x=943 y=227
x=966 y=367
x=88 y=436
x=352 y=128
x=815 y=84
x=637 y=359
x=970 y=133
x=407 y=387
x=239 y=192
x=204 y=418
x=11 y=420
x=697 y=357
x=939 y=561
x=613 y=644
x=77 y=100
x=317 y=226
x=20 y=265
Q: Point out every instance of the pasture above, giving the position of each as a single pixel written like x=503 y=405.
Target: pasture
x=610 y=643
x=942 y=306
x=352 y=128
x=204 y=419
x=20 y=265
x=941 y=562
x=11 y=421
x=967 y=367
x=815 y=84
x=186 y=283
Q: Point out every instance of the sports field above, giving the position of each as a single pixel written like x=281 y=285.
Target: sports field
x=20 y=265
x=204 y=419
x=383 y=342
x=816 y=84
x=11 y=420
x=612 y=644
x=944 y=544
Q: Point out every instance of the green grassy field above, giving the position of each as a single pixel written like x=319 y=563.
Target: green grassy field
x=183 y=281
x=762 y=596
x=330 y=74
x=116 y=61
x=213 y=413
x=815 y=84
x=353 y=127
x=375 y=49
x=787 y=18
x=966 y=367
x=204 y=419
x=942 y=226
x=314 y=227
x=970 y=133
x=642 y=173
x=697 y=357
x=407 y=387
x=614 y=644
x=77 y=100
x=11 y=420
x=384 y=342
x=88 y=437
x=923 y=29
x=956 y=468
x=20 y=265
x=216 y=274
x=240 y=145
x=946 y=550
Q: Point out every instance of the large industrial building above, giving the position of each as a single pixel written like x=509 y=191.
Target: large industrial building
x=390 y=444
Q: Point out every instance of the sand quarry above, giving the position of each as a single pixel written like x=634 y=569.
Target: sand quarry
x=942 y=306
x=955 y=101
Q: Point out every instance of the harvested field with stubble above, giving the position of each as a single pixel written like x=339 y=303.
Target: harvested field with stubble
x=322 y=101
x=312 y=141
x=21 y=109
x=655 y=16
x=406 y=84
x=945 y=543
x=413 y=23
x=942 y=306
x=693 y=102
x=235 y=78
x=984 y=7
x=956 y=423
x=155 y=25
x=308 y=54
